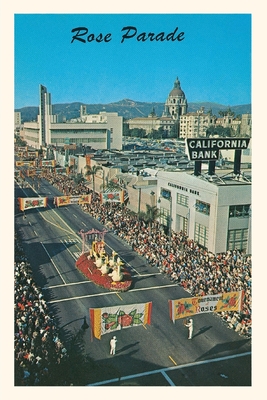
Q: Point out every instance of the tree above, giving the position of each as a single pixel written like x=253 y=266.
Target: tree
x=150 y=215
x=113 y=186
x=138 y=132
x=225 y=113
x=78 y=178
x=158 y=134
x=20 y=142
x=125 y=129
x=92 y=171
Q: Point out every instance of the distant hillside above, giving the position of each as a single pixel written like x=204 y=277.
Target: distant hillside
x=126 y=108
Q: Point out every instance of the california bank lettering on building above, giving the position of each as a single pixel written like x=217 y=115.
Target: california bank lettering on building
x=209 y=149
x=183 y=188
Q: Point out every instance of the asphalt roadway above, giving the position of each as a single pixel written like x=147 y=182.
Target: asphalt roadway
x=153 y=355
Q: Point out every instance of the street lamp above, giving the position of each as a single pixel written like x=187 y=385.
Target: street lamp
x=139 y=199
x=152 y=194
x=84 y=325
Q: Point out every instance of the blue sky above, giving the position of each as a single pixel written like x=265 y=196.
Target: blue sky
x=212 y=62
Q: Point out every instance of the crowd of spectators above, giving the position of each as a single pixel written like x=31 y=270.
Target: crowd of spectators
x=191 y=266
x=39 y=352
x=66 y=185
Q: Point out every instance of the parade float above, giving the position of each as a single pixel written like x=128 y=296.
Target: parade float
x=107 y=271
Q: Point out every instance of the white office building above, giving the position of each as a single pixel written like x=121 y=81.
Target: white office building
x=214 y=211
x=99 y=131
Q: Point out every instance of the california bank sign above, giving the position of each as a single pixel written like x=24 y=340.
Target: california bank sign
x=209 y=149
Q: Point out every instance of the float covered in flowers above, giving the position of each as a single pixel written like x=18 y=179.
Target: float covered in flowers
x=107 y=272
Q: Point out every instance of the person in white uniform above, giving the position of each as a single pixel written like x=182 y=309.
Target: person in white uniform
x=190 y=328
x=113 y=343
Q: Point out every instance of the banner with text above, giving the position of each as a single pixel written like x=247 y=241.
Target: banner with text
x=21 y=148
x=32 y=153
x=25 y=163
x=110 y=319
x=66 y=200
x=181 y=308
x=116 y=197
x=85 y=199
x=25 y=203
x=31 y=172
x=47 y=163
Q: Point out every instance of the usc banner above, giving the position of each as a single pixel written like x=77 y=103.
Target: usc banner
x=182 y=308
x=25 y=203
x=110 y=319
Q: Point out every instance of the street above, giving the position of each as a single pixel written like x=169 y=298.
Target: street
x=153 y=355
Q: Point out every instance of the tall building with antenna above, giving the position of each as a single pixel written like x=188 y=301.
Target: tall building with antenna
x=45 y=115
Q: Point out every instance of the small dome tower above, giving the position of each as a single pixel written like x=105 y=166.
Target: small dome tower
x=176 y=103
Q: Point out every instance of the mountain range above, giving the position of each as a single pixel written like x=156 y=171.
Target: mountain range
x=126 y=108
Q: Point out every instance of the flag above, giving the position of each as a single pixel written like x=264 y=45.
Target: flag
x=88 y=159
x=110 y=319
x=25 y=203
x=181 y=308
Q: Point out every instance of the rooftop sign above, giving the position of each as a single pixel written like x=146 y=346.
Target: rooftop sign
x=209 y=148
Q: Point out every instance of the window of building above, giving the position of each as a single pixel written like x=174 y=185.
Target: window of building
x=164 y=216
x=237 y=239
x=202 y=207
x=241 y=210
x=182 y=199
x=166 y=194
x=201 y=235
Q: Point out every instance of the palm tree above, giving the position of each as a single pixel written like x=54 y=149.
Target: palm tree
x=113 y=185
x=150 y=215
x=92 y=171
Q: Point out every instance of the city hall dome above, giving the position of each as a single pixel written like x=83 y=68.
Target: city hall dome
x=176 y=91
